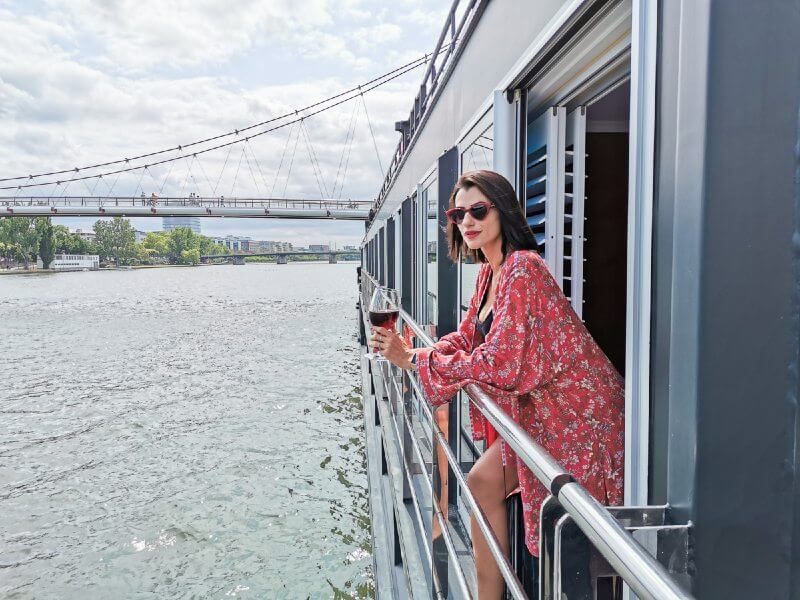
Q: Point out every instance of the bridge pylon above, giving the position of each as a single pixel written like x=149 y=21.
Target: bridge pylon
x=332 y=259
x=282 y=259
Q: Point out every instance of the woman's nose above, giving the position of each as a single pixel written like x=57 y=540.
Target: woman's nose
x=468 y=219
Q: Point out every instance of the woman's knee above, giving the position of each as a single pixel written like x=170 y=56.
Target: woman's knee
x=484 y=483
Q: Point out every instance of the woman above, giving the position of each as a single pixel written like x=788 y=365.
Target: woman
x=524 y=345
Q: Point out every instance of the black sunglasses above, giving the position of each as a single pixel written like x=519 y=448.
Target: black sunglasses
x=479 y=210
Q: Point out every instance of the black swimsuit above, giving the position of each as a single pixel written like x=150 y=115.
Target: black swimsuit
x=485 y=325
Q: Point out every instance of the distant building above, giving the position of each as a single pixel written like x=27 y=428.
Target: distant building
x=72 y=262
x=350 y=248
x=258 y=246
x=140 y=235
x=89 y=236
x=319 y=248
x=171 y=223
x=233 y=243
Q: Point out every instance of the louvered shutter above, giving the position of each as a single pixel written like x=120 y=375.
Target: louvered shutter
x=573 y=216
x=544 y=187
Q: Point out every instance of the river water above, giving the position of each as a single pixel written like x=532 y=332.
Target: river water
x=182 y=433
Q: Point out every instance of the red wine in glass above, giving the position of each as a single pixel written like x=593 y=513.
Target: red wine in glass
x=384 y=309
x=384 y=318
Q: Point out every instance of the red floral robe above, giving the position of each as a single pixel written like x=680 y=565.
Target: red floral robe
x=541 y=365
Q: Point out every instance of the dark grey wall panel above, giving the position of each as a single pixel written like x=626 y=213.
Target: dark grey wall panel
x=447 y=294
x=390 y=266
x=406 y=250
x=725 y=428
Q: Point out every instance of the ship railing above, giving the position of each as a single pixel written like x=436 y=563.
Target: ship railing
x=646 y=577
x=461 y=15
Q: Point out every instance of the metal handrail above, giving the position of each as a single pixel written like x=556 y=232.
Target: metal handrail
x=431 y=81
x=506 y=570
x=644 y=574
x=451 y=550
x=417 y=510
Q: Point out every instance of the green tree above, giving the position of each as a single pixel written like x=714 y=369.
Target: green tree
x=208 y=247
x=190 y=257
x=157 y=243
x=144 y=255
x=7 y=250
x=65 y=242
x=116 y=239
x=44 y=229
x=21 y=234
x=180 y=239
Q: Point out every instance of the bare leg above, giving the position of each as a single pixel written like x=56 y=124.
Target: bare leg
x=490 y=488
x=442 y=417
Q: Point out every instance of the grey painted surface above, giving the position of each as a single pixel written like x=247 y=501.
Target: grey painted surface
x=725 y=345
x=504 y=32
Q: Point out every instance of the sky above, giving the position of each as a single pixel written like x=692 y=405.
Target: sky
x=85 y=81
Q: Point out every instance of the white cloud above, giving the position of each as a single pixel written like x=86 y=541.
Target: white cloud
x=84 y=81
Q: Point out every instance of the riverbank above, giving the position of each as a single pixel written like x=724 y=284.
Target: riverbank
x=137 y=267
x=52 y=271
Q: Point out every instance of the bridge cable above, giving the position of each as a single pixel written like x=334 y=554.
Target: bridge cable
x=186 y=179
x=378 y=154
x=155 y=181
x=236 y=175
x=344 y=149
x=280 y=164
x=404 y=68
x=291 y=162
x=166 y=177
x=208 y=181
x=349 y=152
x=250 y=168
x=347 y=160
x=316 y=160
x=212 y=148
x=111 y=187
x=140 y=181
x=314 y=165
x=96 y=183
x=225 y=164
x=258 y=165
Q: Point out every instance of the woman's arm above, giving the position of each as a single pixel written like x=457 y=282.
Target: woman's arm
x=513 y=360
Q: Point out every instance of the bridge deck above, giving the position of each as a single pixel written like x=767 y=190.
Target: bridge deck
x=276 y=208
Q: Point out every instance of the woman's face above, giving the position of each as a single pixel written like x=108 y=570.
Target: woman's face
x=478 y=234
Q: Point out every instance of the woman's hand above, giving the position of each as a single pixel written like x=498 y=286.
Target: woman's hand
x=391 y=346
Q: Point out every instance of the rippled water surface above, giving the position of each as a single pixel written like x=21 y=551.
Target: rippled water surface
x=182 y=433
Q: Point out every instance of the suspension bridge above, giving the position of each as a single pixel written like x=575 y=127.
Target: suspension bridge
x=152 y=181
x=194 y=206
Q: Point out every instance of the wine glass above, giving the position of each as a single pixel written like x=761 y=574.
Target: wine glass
x=384 y=308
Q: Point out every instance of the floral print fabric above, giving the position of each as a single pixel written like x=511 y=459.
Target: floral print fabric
x=541 y=365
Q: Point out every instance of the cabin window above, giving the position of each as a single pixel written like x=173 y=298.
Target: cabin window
x=415 y=254
x=605 y=236
x=390 y=253
x=576 y=202
x=430 y=199
x=381 y=257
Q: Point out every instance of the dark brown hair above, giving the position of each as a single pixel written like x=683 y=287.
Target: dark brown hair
x=514 y=229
